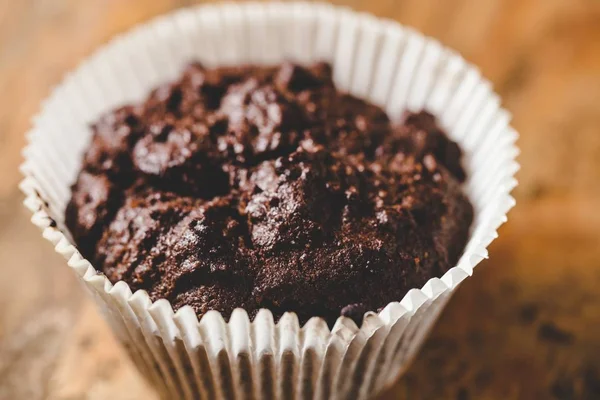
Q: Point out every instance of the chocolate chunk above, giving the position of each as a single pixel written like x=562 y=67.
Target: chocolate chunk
x=355 y=312
x=114 y=136
x=94 y=202
x=262 y=121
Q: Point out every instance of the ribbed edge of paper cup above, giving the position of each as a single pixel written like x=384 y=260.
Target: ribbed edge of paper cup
x=378 y=60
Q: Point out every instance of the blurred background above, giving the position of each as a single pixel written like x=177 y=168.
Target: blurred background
x=526 y=326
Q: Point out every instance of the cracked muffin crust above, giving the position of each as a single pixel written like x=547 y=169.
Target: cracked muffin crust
x=265 y=187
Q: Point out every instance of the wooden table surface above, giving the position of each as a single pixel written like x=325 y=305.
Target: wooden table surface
x=526 y=326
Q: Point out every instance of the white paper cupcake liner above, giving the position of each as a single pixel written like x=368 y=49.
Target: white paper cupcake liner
x=381 y=61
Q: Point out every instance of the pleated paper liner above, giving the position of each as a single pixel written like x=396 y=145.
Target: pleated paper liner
x=378 y=60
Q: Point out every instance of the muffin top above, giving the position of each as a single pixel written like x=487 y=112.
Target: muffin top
x=265 y=187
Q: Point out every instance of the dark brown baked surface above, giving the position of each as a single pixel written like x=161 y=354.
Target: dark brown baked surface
x=267 y=188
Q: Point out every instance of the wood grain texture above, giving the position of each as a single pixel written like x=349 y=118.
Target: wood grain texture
x=525 y=326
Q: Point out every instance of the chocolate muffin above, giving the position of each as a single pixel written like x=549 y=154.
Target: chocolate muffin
x=265 y=187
